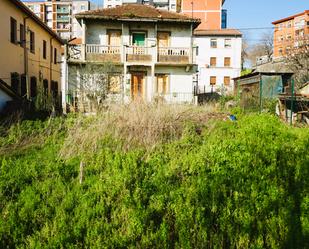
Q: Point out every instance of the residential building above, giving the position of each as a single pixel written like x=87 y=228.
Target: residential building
x=170 y=5
x=290 y=33
x=218 y=59
x=211 y=13
x=151 y=50
x=59 y=15
x=30 y=51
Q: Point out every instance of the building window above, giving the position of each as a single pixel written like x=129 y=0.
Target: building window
x=32 y=42
x=54 y=88
x=44 y=49
x=213 y=43
x=45 y=86
x=15 y=82
x=289 y=25
x=213 y=61
x=22 y=35
x=173 y=6
x=33 y=87
x=280 y=50
x=114 y=84
x=213 y=80
x=227 y=43
x=23 y=86
x=82 y=7
x=227 y=80
x=224 y=19
x=55 y=55
x=227 y=61
x=289 y=37
x=162 y=84
x=13 y=30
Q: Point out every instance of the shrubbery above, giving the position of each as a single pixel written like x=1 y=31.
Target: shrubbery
x=237 y=184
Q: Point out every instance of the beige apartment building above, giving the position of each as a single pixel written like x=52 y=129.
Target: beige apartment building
x=30 y=51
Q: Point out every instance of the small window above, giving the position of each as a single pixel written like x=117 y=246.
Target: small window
x=33 y=87
x=227 y=61
x=289 y=37
x=213 y=43
x=54 y=88
x=23 y=86
x=173 y=6
x=51 y=53
x=280 y=50
x=213 y=80
x=227 y=43
x=13 y=30
x=55 y=55
x=82 y=7
x=109 y=6
x=227 y=80
x=44 y=49
x=32 y=42
x=196 y=50
x=45 y=86
x=15 y=83
x=213 y=61
x=22 y=35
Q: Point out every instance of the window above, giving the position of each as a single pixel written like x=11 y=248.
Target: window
x=227 y=80
x=213 y=43
x=13 y=30
x=44 y=49
x=280 y=50
x=109 y=6
x=45 y=86
x=162 y=84
x=213 y=80
x=23 y=86
x=15 y=82
x=54 y=88
x=114 y=84
x=173 y=6
x=22 y=35
x=51 y=53
x=32 y=42
x=82 y=7
x=289 y=36
x=227 y=61
x=55 y=55
x=33 y=87
x=196 y=50
x=223 y=19
x=227 y=43
x=289 y=25
x=213 y=61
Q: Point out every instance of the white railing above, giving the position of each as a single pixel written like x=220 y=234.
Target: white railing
x=75 y=52
x=138 y=50
x=174 y=51
x=102 y=49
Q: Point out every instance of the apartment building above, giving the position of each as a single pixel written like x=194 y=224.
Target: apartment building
x=151 y=51
x=218 y=59
x=290 y=33
x=30 y=51
x=59 y=15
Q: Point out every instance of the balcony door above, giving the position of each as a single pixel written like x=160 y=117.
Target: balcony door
x=138 y=39
x=114 y=41
x=137 y=85
x=163 y=39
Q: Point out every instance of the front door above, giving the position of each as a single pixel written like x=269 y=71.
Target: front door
x=138 y=39
x=163 y=39
x=137 y=85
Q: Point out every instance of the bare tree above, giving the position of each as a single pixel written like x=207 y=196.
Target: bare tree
x=297 y=60
x=91 y=83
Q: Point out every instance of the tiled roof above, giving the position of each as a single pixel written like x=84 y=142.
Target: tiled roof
x=218 y=32
x=290 y=17
x=136 y=12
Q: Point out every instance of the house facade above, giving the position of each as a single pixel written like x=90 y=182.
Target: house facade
x=290 y=32
x=30 y=51
x=58 y=15
x=150 y=51
x=218 y=59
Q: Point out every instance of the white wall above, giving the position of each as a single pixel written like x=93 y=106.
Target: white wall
x=203 y=61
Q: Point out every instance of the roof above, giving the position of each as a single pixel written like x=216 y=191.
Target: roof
x=260 y=73
x=137 y=12
x=36 y=19
x=8 y=90
x=218 y=32
x=291 y=17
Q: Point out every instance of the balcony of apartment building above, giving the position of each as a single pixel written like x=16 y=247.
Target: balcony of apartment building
x=63 y=9
x=132 y=54
x=63 y=18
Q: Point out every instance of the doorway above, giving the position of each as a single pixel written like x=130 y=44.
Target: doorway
x=137 y=85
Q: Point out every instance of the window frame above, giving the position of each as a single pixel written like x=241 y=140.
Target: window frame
x=13 y=30
x=44 y=49
x=227 y=64
x=211 y=80
x=213 y=59
x=214 y=40
x=229 y=80
x=32 y=41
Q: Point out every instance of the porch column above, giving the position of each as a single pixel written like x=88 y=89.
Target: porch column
x=153 y=80
x=83 y=46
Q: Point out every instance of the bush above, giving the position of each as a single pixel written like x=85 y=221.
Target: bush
x=228 y=185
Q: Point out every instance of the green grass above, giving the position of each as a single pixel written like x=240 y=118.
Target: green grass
x=237 y=184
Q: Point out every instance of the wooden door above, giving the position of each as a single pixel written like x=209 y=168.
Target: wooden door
x=114 y=38
x=137 y=86
x=163 y=39
x=162 y=84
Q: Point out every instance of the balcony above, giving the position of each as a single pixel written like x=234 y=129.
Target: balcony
x=63 y=19
x=130 y=54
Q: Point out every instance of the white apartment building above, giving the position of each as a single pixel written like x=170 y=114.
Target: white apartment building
x=151 y=50
x=170 y=5
x=59 y=15
x=218 y=59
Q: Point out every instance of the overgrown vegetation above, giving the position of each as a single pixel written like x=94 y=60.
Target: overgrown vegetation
x=154 y=178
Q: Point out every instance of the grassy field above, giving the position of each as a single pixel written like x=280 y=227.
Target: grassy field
x=154 y=177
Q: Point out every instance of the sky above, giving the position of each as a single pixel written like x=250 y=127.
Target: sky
x=244 y=14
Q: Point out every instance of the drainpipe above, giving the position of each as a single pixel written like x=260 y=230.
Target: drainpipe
x=51 y=64
x=24 y=43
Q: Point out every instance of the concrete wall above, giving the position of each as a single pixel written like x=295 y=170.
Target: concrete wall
x=205 y=52
x=12 y=55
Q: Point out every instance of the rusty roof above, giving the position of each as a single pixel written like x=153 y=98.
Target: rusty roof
x=218 y=32
x=137 y=12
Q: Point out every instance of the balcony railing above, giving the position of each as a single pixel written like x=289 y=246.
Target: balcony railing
x=130 y=54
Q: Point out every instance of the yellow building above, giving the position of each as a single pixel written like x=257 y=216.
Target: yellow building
x=30 y=52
